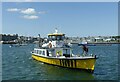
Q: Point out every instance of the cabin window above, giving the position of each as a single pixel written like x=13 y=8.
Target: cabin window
x=66 y=52
x=50 y=37
x=43 y=52
x=35 y=51
x=53 y=38
x=56 y=37
x=39 y=52
x=62 y=37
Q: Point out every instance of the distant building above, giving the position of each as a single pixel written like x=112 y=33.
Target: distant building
x=25 y=39
x=8 y=37
x=98 y=39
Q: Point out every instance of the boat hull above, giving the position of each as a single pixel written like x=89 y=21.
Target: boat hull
x=86 y=64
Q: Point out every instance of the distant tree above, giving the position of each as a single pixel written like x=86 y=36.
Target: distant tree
x=115 y=36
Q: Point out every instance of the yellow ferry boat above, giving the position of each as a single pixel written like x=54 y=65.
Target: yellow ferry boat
x=56 y=52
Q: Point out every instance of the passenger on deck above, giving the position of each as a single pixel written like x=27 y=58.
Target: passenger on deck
x=85 y=50
x=50 y=45
x=58 y=54
x=47 y=53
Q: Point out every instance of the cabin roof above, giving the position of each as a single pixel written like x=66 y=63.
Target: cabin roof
x=57 y=34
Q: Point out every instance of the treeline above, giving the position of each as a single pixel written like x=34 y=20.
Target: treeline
x=115 y=36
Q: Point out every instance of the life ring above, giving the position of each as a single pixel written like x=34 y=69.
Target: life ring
x=50 y=45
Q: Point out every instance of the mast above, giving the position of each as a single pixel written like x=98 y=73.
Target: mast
x=40 y=41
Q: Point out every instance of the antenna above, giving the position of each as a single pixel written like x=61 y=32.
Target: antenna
x=39 y=35
x=56 y=31
x=40 y=41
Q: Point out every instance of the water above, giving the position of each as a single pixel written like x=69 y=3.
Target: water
x=17 y=64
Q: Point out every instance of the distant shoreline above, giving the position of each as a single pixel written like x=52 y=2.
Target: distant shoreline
x=103 y=42
x=72 y=43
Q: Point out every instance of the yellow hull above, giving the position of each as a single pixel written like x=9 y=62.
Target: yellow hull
x=87 y=64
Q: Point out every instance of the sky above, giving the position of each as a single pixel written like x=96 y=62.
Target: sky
x=59 y=0
x=72 y=18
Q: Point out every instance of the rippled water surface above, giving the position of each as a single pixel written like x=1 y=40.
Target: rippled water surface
x=17 y=64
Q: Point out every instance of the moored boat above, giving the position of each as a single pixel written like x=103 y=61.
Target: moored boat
x=56 y=52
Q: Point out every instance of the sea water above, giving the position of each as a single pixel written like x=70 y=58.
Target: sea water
x=17 y=64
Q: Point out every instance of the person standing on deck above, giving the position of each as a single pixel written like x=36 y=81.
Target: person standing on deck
x=85 y=49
